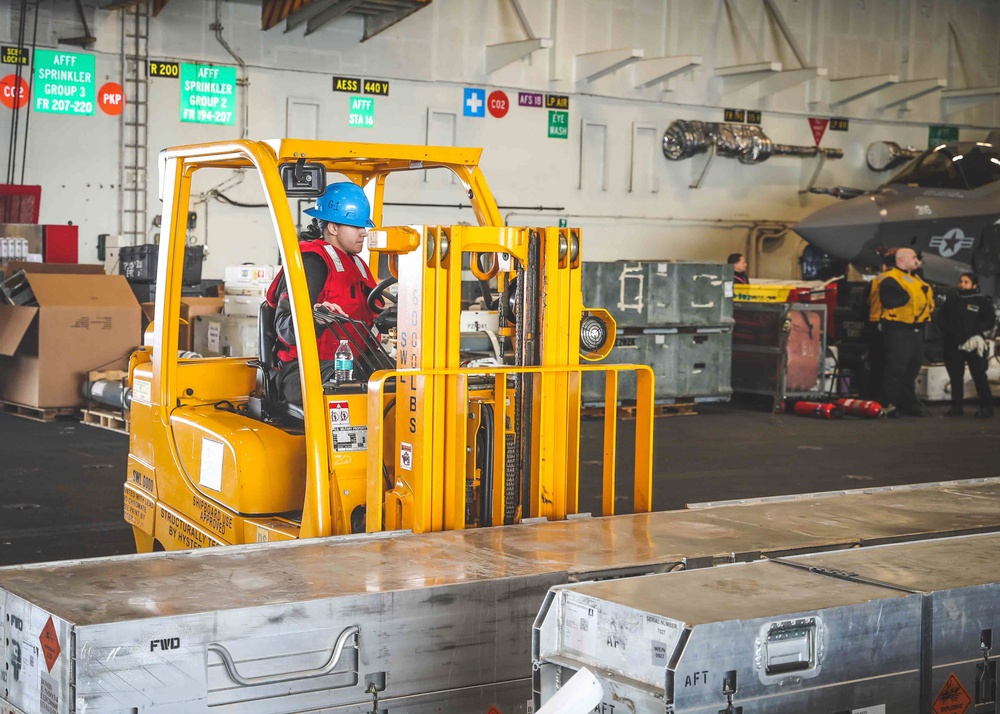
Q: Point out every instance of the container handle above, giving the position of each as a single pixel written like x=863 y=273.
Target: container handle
x=331 y=663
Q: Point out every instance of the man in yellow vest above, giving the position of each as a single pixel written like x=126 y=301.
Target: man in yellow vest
x=871 y=384
x=907 y=303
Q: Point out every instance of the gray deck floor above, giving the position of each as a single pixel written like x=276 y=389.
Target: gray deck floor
x=61 y=482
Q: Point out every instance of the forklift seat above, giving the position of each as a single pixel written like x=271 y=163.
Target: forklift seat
x=273 y=404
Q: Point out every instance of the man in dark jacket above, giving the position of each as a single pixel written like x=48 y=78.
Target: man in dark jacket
x=967 y=320
x=739 y=263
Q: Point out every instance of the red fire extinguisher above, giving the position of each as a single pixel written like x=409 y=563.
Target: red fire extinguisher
x=861 y=408
x=818 y=410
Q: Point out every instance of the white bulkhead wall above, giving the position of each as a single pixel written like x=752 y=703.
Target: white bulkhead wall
x=609 y=176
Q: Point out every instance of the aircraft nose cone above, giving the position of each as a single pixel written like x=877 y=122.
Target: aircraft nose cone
x=844 y=229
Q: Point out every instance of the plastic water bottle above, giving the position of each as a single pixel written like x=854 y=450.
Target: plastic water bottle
x=343 y=363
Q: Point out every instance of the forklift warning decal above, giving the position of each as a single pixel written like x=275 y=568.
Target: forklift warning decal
x=350 y=438
x=345 y=436
x=141 y=391
x=952 y=699
x=339 y=413
x=405 y=456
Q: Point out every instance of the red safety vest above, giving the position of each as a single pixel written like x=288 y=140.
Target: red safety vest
x=348 y=282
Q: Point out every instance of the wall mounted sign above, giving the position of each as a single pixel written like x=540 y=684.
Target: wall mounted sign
x=172 y=70
x=530 y=99
x=498 y=104
x=474 y=102
x=347 y=84
x=740 y=116
x=111 y=98
x=13 y=91
x=378 y=87
x=558 y=124
x=362 y=112
x=64 y=83
x=556 y=101
x=14 y=55
x=208 y=94
x=839 y=124
x=938 y=135
x=818 y=128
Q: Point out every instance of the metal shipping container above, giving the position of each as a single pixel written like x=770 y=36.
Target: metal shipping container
x=688 y=364
x=959 y=579
x=444 y=620
x=753 y=638
x=660 y=294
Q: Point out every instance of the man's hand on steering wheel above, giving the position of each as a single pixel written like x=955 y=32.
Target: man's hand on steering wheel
x=383 y=306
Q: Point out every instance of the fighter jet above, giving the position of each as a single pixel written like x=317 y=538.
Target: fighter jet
x=945 y=204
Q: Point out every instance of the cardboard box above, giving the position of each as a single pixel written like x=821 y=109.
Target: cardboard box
x=191 y=308
x=242 y=305
x=82 y=322
x=30 y=266
x=226 y=336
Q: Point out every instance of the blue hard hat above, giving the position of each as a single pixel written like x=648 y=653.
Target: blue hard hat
x=345 y=203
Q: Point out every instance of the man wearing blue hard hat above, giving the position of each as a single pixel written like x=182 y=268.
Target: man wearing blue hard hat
x=339 y=280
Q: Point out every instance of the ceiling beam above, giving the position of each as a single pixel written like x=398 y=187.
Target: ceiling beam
x=331 y=12
x=306 y=12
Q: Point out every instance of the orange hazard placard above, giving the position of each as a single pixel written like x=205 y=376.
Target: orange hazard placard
x=952 y=699
x=50 y=644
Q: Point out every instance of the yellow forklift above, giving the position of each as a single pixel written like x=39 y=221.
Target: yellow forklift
x=420 y=441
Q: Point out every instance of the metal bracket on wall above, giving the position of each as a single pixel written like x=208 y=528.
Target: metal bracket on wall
x=819 y=167
x=710 y=156
x=653 y=70
x=87 y=39
x=904 y=92
x=956 y=100
x=848 y=89
x=591 y=66
x=504 y=53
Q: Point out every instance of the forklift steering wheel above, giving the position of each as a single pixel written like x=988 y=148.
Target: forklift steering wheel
x=376 y=296
x=386 y=316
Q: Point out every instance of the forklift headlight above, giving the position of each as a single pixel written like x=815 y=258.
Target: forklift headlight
x=597 y=330
x=593 y=334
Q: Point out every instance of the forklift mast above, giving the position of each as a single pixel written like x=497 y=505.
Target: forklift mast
x=423 y=442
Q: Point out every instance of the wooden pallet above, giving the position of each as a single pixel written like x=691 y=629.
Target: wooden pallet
x=112 y=421
x=659 y=410
x=42 y=414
